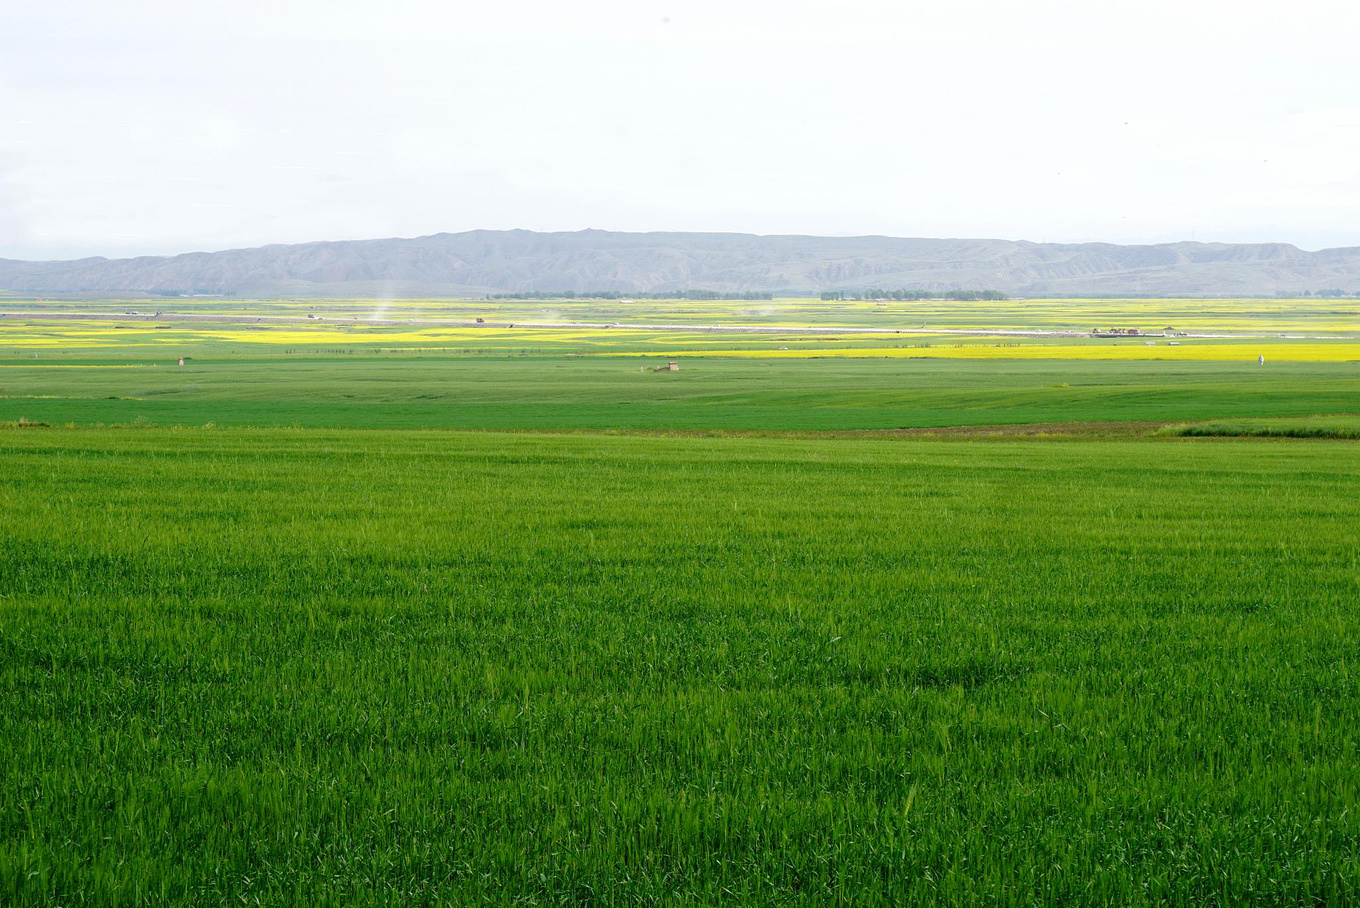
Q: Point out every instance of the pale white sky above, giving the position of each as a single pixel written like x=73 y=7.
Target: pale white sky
x=159 y=126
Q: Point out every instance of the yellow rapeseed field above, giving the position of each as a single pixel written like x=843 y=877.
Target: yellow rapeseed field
x=1279 y=352
x=917 y=328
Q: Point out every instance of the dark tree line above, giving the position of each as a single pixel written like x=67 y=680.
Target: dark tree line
x=625 y=294
x=1321 y=294
x=962 y=295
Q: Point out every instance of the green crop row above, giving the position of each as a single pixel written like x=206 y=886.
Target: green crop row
x=616 y=393
x=356 y=668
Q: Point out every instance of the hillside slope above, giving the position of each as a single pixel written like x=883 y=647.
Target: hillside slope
x=482 y=261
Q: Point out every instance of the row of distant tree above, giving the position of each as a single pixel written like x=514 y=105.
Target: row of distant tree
x=1322 y=294
x=962 y=295
x=625 y=294
x=179 y=293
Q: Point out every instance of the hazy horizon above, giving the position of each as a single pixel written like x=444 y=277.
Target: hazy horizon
x=173 y=253
x=165 y=128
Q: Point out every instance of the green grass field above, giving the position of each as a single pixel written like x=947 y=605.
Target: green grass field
x=277 y=628
x=551 y=392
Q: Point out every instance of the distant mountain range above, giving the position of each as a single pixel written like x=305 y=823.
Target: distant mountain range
x=491 y=261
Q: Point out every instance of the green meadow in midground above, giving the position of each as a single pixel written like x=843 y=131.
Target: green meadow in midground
x=416 y=667
x=556 y=392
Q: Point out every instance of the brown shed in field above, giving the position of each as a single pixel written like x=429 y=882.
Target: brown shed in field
x=673 y=366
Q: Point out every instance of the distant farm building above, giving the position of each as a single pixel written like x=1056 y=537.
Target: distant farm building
x=671 y=366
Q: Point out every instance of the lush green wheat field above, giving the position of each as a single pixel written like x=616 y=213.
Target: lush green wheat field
x=371 y=667
x=330 y=647
x=555 y=392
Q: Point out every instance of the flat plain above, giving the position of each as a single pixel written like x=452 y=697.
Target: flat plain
x=304 y=621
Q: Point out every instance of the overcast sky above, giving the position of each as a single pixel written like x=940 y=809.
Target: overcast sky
x=153 y=126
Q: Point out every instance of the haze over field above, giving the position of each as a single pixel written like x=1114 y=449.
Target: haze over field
x=483 y=261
